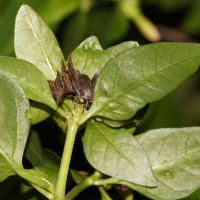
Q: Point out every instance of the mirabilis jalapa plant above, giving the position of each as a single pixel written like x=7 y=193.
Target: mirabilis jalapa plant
x=107 y=87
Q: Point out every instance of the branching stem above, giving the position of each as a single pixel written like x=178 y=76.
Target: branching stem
x=87 y=182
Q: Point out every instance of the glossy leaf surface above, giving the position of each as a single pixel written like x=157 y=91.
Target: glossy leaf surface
x=89 y=57
x=142 y=75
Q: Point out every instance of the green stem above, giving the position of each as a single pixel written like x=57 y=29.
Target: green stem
x=103 y=193
x=107 y=181
x=87 y=182
x=66 y=158
x=129 y=196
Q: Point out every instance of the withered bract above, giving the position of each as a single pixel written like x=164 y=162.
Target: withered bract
x=71 y=83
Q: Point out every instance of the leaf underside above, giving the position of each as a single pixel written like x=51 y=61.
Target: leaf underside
x=116 y=153
x=36 y=43
x=30 y=79
x=175 y=158
x=14 y=125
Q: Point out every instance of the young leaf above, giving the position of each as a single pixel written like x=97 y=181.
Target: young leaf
x=31 y=80
x=142 y=75
x=89 y=57
x=111 y=52
x=84 y=55
x=36 y=177
x=78 y=176
x=34 y=151
x=51 y=165
x=51 y=159
x=116 y=153
x=42 y=159
x=36 y=43
x=38 y=156
x=14 y=121
x=175 y=158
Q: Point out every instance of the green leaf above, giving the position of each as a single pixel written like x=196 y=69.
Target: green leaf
x=51 y=11
x=36 y=177
x=29 y=78
x=43 y=159
x=51 y=165
x=55 y=11
x=38 y=156
x=8 y=12
x=79 y=20
x=129 y=125
x=84 y=55
x=51 y=172
x=89 y=57
x=190 y=23
x=116 y=153
x=175 y=158
x=39 y=112
x=116 y=28
x=34 y=151
x=111 y=52
x=51 y=159
x=14 y=120
x=6 y=169
x=136 y=77
x=77 y=176
x=110 y=20
x=36 y=43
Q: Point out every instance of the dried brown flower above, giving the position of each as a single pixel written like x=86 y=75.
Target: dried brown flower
x=62 y=86
x=71 y=83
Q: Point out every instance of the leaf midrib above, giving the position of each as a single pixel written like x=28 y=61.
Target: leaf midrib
x=9 y=159
x=46 y=57
x=122 y=155
x=141 y=82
